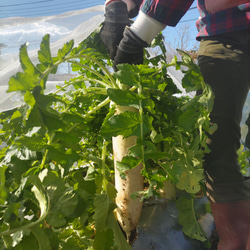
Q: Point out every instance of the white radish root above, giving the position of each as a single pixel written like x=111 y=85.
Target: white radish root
x=128 y=210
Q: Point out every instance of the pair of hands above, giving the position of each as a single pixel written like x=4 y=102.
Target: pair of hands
x=121 y=43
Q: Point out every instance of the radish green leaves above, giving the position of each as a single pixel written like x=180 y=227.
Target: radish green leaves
x=56 y=170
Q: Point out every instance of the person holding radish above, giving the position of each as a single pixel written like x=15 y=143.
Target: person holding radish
x=224 y=61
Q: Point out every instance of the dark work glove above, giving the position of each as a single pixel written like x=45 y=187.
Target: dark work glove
x=130 y=49
x=116 y=19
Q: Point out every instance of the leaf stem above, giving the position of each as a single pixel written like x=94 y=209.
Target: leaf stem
x=92 y=111
x=99 y=106
x=102 y=67
x=77 y=56
x=105 y=81
x=47 y=151
x=61 y=88
x=141 y=124
x=194 y=215
x=103 y=165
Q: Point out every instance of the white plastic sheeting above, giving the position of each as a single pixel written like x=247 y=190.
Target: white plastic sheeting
x=159 y=229
x=62 y=28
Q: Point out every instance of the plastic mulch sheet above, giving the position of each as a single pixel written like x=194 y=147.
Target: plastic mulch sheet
x=159 y=229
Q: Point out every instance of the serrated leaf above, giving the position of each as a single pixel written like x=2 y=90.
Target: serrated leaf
x=68 y=139
x=28 y=242
x=123 y=97
x=207 y=100
x=188 y=218
x=101 y=204
x=67 y=203
x=187 y=119
x=20 y=82
x=174 y=170
x=122 y=167
x=51 y=121
x=94 y=41
x=72 y=118
x=156 y=137
x=8 y=242
x=34 y=143
x=26 y=63
x=18 y=168
x=29 y=98
x=104 y=240
x=44 y=54
x=119 y=240
x=11 y=210
x=3 y=190
x=64 y=156
x=111 y=191
x=40 y=194
x=127 y=75
x=125 y=124
x=21 y=153
x=128 y=162
x=65 y=50
x=156 y=155
x=56 y=219
x=74 y=242
x=190 y=180
x=27 y=80
x=41 y=237
x=185 y=57
x=147 y=146
x=16 y=114
x=192 y=81
x=49 y=117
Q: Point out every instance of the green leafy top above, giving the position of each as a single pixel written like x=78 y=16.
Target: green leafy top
x=57 y=173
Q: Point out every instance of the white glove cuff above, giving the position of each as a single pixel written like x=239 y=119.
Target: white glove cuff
x=146 y=27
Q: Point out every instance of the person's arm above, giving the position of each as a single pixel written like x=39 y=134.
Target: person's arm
x=117 y=14
x=153 y=18
x=215 y=6
x=168 y=12
x=135 y=38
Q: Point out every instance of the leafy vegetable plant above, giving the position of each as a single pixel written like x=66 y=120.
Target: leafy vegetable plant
x=57 y=169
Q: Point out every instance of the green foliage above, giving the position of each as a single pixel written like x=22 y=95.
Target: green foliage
x=56 y=170
x=188 y=217
x=243 y=157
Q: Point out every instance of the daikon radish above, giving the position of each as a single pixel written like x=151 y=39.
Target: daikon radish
x=128 y=210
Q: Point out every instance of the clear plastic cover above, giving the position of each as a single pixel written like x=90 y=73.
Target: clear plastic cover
x=76 y=25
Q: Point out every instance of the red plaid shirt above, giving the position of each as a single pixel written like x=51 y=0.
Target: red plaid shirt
x=170 y=12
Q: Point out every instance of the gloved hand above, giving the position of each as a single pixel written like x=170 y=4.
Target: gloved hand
x=116 y=19
x=130 y=49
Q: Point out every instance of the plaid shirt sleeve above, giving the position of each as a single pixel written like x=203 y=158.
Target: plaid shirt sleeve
x=228 y=20
x=168 y=12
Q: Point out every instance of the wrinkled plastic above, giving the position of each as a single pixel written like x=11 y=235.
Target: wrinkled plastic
x=62 y=28
x=159 y=229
